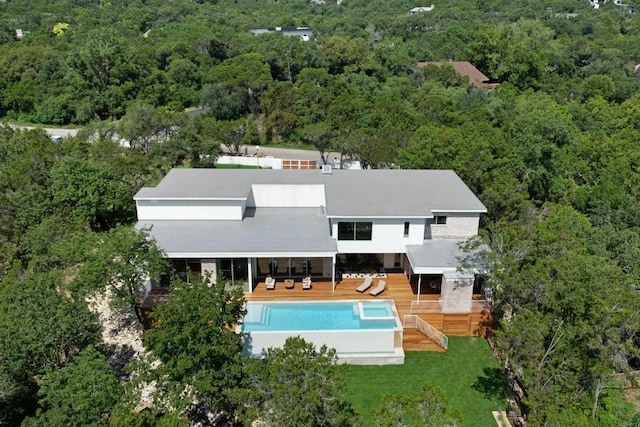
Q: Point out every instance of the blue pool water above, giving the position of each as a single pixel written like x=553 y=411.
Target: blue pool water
x=312 y=316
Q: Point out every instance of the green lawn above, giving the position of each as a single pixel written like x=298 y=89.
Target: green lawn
x=467 y=372
x=224 y=166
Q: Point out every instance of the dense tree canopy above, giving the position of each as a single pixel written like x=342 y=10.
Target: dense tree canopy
x=298 y=385
x=201 y=353
x=552 y=152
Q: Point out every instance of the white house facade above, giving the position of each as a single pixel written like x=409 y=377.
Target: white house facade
x=248 y=224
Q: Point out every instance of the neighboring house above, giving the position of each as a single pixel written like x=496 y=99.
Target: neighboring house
x=596 y=4
x=250 y=223
x=466 y=69
x=304 y=33
x=421 y=9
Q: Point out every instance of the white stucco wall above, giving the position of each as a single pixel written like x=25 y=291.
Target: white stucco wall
x=285 y=196
x=189 y=210
x=387 y=235
x=344 y=341
x=458 y=226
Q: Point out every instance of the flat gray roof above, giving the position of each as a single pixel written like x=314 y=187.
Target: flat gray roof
x=264 y=231
x=434 y=255
x=365 y=193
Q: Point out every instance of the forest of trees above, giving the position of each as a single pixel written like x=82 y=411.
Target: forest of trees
x=552 y=152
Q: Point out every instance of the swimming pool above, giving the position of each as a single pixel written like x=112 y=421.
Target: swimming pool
x=315 y=316
x=364 y=332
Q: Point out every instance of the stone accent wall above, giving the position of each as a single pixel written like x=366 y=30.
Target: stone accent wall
x=209 y=266
x=456 y=294
x=458 y=226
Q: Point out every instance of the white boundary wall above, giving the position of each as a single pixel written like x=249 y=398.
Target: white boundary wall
x=266 y=162
x=344 y=341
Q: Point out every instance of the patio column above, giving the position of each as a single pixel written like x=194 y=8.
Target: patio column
x=333 y=272
x=419 y=284
x=250 y=274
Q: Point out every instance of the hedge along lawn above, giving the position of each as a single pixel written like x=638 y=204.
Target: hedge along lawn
x=468 y=373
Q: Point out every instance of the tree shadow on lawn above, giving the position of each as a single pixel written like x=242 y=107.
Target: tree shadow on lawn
x=493 y=384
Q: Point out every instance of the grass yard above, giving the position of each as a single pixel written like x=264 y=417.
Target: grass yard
x=467 y=372
x=225 y=166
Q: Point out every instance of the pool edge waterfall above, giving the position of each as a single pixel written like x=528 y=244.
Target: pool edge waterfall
x=362 y=331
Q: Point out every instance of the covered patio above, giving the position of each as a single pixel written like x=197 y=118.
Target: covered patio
x=275 y=241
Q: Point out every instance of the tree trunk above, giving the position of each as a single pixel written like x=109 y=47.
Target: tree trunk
x=596 y=396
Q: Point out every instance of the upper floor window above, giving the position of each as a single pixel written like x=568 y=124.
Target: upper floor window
x=406 y=229
x=440 y=220
x=355 y=230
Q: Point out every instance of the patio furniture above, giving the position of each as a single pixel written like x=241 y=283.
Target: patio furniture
x=365 y=285
x=306 y=283
x=289 y=283
x=379 y=288
x=270 y=283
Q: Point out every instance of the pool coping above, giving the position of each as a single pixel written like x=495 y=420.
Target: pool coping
x=392 y=357
x=359 y=302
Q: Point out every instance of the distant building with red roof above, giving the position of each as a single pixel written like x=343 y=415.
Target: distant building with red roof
x=466 y=69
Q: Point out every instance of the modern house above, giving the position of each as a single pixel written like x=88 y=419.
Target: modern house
x=252 y=223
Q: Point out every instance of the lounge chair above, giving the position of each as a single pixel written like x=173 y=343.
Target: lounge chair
x=365 y=285
x=270 y=283
x=379 y=288
x=306 y=283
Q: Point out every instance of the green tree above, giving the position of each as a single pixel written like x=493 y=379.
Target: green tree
x=121 y=262
x=429 y=409
x=298 y=385
x=140 y=126
x=234 y=134
x=80 y=393
x=90 y=192
x=41 y=328
x=224 y=103
x=286 y=55
x=247 y=73
x=340 y=52
x=200 y=352
x=539 y=130
x=319 y=135
x=281 y=115
x=567 y=326
x=58 y=243
x=517 y=52
x=27 y=158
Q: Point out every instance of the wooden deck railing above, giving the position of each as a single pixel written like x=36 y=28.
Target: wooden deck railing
x=435 y=306
x=480 y=305
x=426 y=306
x=415 y=322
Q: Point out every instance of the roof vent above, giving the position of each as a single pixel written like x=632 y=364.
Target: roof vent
x=326 y=169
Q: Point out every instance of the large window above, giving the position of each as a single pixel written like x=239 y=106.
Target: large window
x=354 y=230
x=187 y=269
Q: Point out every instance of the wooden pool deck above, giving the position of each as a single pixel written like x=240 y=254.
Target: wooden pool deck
x=398 y=289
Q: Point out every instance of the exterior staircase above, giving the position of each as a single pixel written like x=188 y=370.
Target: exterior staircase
x=422 y=335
